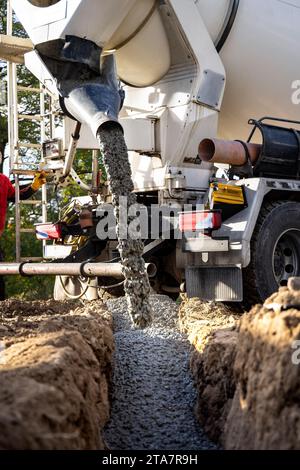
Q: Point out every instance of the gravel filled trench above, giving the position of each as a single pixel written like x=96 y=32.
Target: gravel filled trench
x=153 y=391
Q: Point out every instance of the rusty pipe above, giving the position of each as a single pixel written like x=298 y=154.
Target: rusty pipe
x=228 y=152
x=69 y=269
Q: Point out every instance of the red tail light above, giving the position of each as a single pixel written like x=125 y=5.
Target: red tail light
x=200 y=221
x=48 y=231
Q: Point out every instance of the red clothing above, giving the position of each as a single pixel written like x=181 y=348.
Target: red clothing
x=7 y=191
x=7 y=194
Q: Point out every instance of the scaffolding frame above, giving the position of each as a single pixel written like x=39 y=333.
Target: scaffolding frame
x=13 y=49
x=18 y=167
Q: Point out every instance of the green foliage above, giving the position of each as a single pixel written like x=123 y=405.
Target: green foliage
x=82 y=166
x=3 y=129
x=26 y=288
x=18 y=29
x=36 y=287
x=29 y=131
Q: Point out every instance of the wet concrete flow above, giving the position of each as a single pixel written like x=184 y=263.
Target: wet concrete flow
x=137 y=286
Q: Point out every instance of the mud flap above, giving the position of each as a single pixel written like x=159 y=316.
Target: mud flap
x=215 y=284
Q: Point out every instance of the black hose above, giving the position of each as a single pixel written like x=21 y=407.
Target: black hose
x=229 y=25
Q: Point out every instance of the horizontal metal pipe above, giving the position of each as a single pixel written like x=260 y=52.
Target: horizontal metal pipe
x=228 y=152
x=68 y=269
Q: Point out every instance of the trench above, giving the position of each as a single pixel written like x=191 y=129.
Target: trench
x=83 y=388
x=153 y=396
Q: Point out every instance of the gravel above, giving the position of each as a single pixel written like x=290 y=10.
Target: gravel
x=153 y=391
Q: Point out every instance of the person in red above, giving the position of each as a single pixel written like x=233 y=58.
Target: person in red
x=7 y=194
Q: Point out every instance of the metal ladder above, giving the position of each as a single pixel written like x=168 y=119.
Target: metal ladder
x=19 y=167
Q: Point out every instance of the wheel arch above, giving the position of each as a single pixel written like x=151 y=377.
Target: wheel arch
x=260 y=192
x=262 y=244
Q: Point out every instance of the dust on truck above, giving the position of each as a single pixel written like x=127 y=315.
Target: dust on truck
x=192 y=74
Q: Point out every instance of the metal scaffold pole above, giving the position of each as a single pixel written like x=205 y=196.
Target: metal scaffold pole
x=43 y=138
x=13 y=129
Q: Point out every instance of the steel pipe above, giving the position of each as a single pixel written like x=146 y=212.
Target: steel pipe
x=72 y=150
x=228 y=152
x=68 y=269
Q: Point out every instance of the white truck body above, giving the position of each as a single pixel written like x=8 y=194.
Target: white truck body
x=193 y=69
x=258 y=57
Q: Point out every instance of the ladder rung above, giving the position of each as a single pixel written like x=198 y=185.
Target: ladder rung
x=29 y=146
x=52 y=113
x=34 y=259
x=30 y=89
x=27 y=230
x=22 y=171
x=30 y=117
x=32 y=202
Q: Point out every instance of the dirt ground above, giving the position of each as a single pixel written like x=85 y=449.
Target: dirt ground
x=201 y=319
x=212 y=329
x=55 y=373
x=246 y=369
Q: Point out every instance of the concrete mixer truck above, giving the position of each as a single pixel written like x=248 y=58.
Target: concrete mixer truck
x=184 y=79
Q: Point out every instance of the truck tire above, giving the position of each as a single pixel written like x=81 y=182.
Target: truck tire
x=275 y=251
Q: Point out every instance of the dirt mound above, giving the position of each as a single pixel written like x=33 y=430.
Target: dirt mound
x=199 y=320
x=247 y=374
x=55 y=373
x=265 y=413
x=19 y=319
x=213 y=373
x=212 y=329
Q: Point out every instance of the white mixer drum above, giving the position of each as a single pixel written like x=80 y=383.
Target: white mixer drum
x=133 y=29
x=260 y=59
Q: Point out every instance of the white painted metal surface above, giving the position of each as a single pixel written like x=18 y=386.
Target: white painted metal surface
x=139 y=134
x=39 y=70
x=259 y=57
x=214 y=14
x=131 y=28
x=57 y=251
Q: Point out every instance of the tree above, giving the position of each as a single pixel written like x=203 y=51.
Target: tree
x=29 y=132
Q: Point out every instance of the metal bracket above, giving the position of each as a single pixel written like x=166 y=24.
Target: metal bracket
x=211 y=89
x=205 y=245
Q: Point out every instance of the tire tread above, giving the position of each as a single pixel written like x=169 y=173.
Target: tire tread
x=251 y=293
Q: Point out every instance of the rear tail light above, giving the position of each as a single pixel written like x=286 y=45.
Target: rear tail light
x=200 y=221
x=48 y=231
